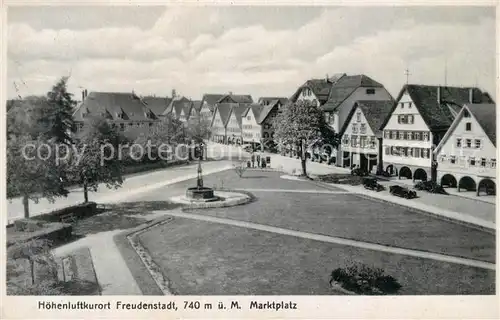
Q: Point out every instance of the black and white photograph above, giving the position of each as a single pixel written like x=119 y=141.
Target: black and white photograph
x=244 y=150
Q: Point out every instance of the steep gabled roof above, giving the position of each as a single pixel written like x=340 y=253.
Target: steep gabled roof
x=266 y=111
x=113 y=104
x=212 y=99
x=224 y=110
x=345 y=86
x=237 y=98
x=320 y=88
x=439 y=116
x=270 y=100
x=375 y=112
x=332 y=91
x=197 y=105
x=486 y=115
x=187 y=106
x=157 y=104
x=238 y=112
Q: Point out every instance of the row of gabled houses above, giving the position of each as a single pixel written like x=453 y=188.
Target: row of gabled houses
x=441 y=132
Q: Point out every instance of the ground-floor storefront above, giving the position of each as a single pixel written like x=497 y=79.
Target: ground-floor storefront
x=366 y=161
x=465 y=182
x=406 y=171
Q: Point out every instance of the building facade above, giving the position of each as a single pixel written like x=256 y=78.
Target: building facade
x=126 y=112
x=361 y=137
x=250 y=125
x=337 y=95
x=418 y=121
x=219 y=123
x=466 y=156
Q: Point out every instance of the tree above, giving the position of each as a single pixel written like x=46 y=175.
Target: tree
x=24 y=117
x=95 y=163
x=58 y=116
x=30 y=175
x=302 y=124
x=169 y=131
x=198 y=130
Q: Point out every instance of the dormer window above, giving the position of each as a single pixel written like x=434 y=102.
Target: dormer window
x=370 y=91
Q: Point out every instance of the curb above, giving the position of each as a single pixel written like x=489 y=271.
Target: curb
x=154 y=270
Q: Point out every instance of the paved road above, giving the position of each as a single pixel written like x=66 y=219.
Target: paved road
x=131 y=186
x=477 y=210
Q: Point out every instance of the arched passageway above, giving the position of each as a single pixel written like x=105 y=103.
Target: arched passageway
x=487 y=186
x=420 y=174
x=467 y=183
x=405 y=172
x=449 y=180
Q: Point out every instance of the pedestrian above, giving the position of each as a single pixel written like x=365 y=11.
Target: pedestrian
x=253 y=160
x=258 y=160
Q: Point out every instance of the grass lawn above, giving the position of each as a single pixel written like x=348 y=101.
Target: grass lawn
x=202 y=258
x=359 y=218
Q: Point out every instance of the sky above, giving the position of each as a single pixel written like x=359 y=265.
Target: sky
x=262 y=51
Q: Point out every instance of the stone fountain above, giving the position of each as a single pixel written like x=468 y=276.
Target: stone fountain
x=200 y=193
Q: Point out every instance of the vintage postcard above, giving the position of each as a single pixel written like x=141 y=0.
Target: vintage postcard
x=195 y=160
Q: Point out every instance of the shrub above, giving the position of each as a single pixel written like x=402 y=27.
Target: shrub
x=240 y=169
x=362 y=279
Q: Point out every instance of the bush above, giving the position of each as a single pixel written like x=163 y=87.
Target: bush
x=240 y=169
x=362 y=279
x=53 y=232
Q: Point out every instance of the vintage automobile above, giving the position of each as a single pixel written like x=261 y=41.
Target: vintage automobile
x=372 y=184
x=359 y=172
x=430 y=186
x=402 y=192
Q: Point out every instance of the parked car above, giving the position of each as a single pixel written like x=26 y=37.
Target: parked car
x=359 y=172
x=402 y=192
x=430 y=186
x=372 y=184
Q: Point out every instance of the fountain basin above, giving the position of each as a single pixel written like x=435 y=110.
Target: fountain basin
x=203 y=194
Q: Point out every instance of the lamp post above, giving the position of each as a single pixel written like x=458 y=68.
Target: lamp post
x=199 y=179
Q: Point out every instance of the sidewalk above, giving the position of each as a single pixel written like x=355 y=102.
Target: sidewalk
x=456 y=207
x=132 y=185
x=486 y=221
x=452 y=191
x=111 y=270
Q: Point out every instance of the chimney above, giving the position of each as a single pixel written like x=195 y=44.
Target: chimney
x=439 y=94
x=86 y=93
x=327 y=78
x=83 y=95
x=471 y=95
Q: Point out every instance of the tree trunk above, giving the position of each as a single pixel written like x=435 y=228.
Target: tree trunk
x=26 y=205
x=303 y=158
x=85 y=192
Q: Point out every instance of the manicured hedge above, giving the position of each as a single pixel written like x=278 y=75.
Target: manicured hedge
x=53 y=232
x=79 y=211
x=142 y=167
